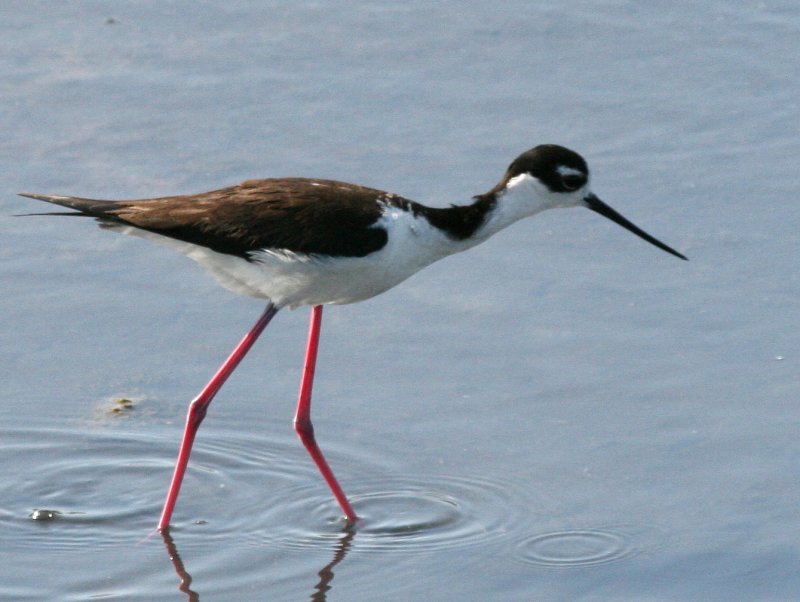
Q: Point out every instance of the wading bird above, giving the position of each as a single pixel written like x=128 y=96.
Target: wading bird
x=305 y=241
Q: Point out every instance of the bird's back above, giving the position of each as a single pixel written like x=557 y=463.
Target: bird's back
x=309 y=216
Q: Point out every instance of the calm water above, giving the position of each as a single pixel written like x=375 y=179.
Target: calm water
x=563 y=413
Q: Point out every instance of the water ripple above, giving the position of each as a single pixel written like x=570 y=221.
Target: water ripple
x=414 y=513
x=70 y=488
x=66 y=488
x=583 y=547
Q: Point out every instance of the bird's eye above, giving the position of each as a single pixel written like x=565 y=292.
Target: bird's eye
x=572 y=182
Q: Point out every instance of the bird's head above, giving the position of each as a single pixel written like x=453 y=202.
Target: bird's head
x=550 y=176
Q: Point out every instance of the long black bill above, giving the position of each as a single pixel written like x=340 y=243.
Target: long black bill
x=595 y=204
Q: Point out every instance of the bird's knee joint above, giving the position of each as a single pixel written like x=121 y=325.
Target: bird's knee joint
x=197 y=411
x=303 y=427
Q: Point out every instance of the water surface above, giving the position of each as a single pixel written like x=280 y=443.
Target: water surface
x=563 y=413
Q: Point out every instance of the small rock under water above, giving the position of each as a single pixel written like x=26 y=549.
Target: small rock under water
x=44 y=515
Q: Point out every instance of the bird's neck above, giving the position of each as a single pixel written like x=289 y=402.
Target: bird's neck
x=470 y=224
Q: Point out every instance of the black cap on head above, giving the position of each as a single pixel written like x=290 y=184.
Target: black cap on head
x=558 y=168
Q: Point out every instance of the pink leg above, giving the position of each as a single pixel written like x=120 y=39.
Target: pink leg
x=199 y=405
x=302 y=419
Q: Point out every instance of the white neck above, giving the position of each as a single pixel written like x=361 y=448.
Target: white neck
x=522 y=197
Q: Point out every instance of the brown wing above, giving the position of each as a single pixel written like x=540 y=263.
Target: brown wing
x=296 y=214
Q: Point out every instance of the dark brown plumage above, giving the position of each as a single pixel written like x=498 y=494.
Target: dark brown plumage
x=322 y=217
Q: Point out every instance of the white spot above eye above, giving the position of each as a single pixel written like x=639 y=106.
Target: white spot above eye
x=566 y=170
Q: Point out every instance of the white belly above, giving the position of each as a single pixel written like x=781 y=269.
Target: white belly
x=292 y=280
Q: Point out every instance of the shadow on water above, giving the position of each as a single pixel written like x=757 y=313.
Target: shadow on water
x=321 y=589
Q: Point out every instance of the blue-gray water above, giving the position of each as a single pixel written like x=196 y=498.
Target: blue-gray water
x=563 y=413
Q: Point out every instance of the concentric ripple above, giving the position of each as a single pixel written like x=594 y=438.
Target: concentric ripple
x=582 y=547
x=401 y=514
x=70 y=488
x=100 y=487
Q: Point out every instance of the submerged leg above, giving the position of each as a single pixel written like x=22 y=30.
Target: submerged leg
x=199 y=405
x=302 y=418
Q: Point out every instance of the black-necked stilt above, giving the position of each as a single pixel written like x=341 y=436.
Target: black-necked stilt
x=299 y=241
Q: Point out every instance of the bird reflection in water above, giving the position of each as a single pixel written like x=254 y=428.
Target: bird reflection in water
x=177 y=564
x=321 y=589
